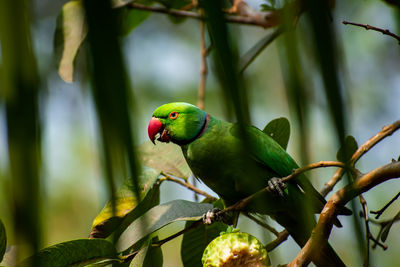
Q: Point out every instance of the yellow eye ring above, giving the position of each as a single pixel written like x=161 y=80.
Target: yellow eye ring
x=173 y=115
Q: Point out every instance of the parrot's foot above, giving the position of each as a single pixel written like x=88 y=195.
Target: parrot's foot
x=277 y=186
x=213 y=216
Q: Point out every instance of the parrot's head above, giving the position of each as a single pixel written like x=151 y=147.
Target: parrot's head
x=177 y=122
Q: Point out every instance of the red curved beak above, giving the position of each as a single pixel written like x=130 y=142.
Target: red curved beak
x=155 y=127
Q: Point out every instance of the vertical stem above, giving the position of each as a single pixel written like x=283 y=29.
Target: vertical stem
x=203 y=68
x=367 y=230
x=19 y=89
x=203 y=77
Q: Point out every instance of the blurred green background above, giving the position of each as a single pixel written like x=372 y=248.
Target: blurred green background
x=163 y=61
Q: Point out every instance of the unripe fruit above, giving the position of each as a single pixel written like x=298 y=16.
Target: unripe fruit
x=235 y=249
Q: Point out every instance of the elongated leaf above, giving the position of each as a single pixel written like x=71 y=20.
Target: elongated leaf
x=20 y=90
x=279 y=130
x=70 y=32
x=226 y=59
x=298 y=97
x=385 y=232
x=250 y=55
x=160 y=216
x=148 y=256
x=3 y=240
x=127 y=207
x=81 y=251
x=130 y=19
x=112 y=94
x=347 y=149
x=164 y=157
x=329 y=60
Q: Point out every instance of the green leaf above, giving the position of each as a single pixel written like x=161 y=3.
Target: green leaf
x=225 y=58
x=129 y=19
x=195 y=241
x=385 y=232
x=148 y=256
x=279 y=130
x=70 y=32
x=79 y=252
x=253 y=52
x=164 y=157
x=3 y=240
x=160 y=216
x=329 y=59
x=127 y=206
x=347 y=150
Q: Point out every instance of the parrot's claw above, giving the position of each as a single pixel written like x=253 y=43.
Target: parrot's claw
x=277 y=186
x=213 y=216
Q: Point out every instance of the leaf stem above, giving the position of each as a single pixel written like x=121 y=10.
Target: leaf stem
x=191 y=227
x=379 y=212
x=187 y=185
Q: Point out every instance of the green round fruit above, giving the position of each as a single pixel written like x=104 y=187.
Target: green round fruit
x=235 y=249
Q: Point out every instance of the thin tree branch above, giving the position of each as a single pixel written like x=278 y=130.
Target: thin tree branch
x=282 y=237
x=129 y=257
x=241 y=204
x=263 y=19
x=367 y=229
x=169 y=238
x=385 y=132
x=203 y=73
x=369 y=27
x=187 y=185
x=263 y=224
x=320 y=164
x=382 y=227
x=321 y=232
x=379 y=212
x=377 y=243
x=203 y=68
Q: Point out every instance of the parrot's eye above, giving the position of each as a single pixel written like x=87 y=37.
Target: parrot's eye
x=173 y=115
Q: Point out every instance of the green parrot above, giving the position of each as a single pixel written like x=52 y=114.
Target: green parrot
x=235 y=168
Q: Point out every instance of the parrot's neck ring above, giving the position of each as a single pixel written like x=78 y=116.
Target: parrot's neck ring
x=204 y=128
x=199 y=134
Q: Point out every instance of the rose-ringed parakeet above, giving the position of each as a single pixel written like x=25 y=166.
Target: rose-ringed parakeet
x=235 y=168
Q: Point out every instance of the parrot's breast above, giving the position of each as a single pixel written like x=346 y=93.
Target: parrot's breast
x=217 y=158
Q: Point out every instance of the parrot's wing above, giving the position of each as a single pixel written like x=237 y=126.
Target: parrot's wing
x=268 y=152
